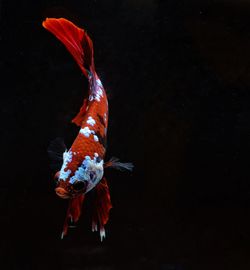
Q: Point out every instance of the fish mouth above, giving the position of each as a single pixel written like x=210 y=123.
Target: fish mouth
x=62 y=193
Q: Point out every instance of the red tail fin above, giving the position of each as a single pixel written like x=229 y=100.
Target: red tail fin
x=75 y=39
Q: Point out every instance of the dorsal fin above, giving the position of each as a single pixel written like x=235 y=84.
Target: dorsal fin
x=80 y=116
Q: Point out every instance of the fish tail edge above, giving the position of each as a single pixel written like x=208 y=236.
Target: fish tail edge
x=75 y=39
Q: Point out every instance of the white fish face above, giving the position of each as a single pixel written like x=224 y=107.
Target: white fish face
x=90 y=172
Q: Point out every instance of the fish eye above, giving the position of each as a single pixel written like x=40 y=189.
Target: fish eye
x=79 y=185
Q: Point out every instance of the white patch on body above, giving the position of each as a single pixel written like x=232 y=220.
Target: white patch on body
x=67 y=158
x=65 y=154
x=99 y=83
x=91 y=98
x=91 y=121
x=86 y=131
x=89 y=166
x=99 y=90
x=99 y=94
x=64 y=175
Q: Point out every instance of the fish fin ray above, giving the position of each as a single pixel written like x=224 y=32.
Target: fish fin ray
x=116 y=164
x=55 y=151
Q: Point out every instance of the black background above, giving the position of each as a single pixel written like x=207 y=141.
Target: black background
x=177 y=74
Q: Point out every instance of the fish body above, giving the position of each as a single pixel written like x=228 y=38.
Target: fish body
x=82 y=168
x=88 y=149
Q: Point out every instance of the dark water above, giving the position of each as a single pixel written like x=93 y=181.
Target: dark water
x=177 y=75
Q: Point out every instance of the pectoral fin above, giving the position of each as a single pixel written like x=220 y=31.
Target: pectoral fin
x=55 y=151
x=116 y=164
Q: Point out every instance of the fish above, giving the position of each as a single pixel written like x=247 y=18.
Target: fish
x=80 y=169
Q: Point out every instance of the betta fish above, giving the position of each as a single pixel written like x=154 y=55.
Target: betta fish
x=82 y=166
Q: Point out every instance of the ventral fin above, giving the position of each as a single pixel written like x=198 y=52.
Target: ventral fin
x=101 y=207
x=55 y=151
x=73 y=213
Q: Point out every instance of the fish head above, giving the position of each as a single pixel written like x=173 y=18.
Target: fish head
x=65 y=190
x=88 y=174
